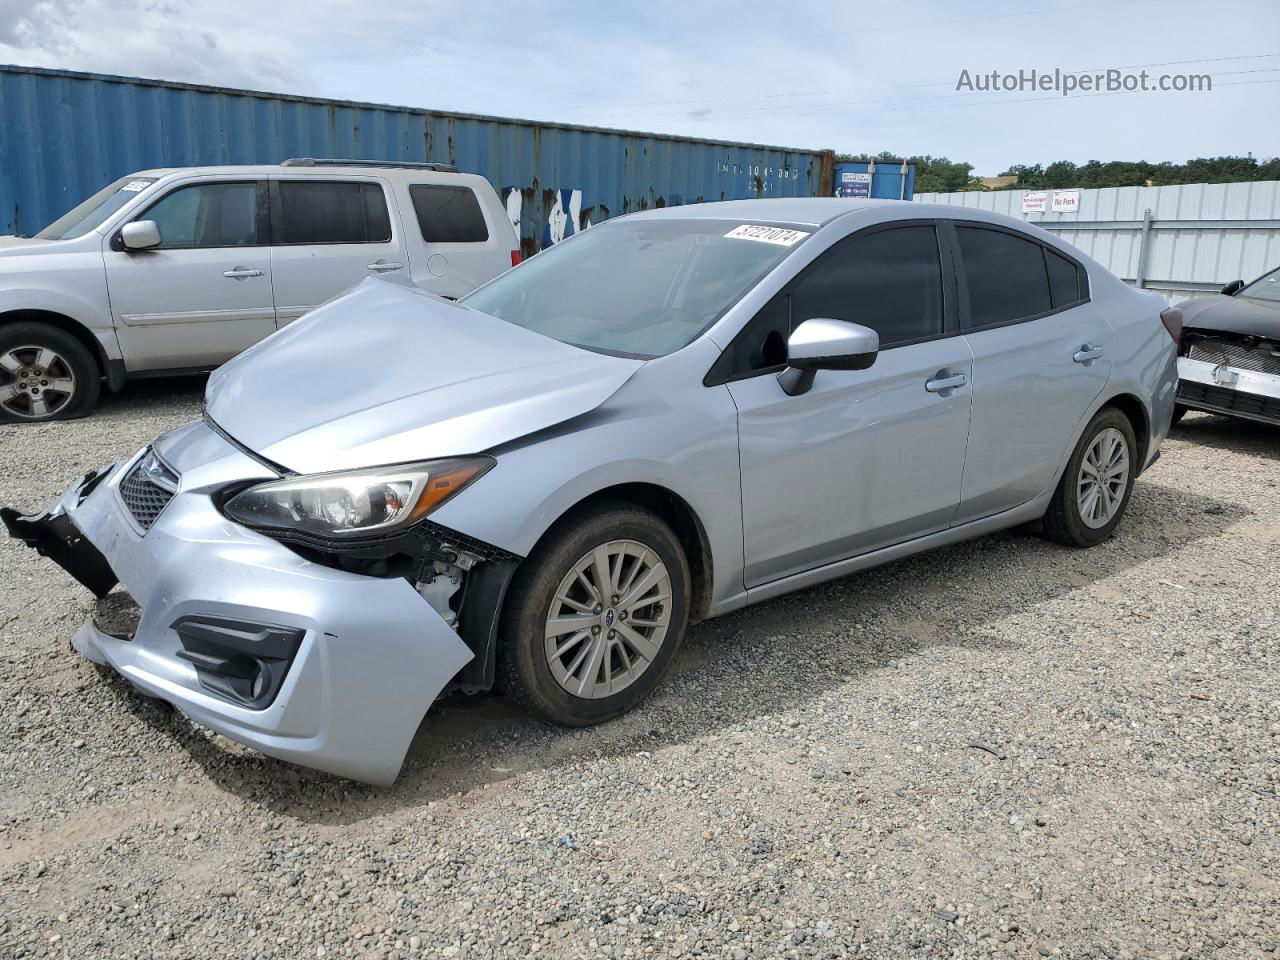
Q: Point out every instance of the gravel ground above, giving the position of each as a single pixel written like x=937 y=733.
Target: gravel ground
x=1004 y=748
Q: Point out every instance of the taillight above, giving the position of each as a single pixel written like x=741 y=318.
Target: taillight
x=1172 y=320
x=515 y=258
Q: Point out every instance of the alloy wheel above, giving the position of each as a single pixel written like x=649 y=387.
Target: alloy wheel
x=1103 y=479
x=608 y=619
x=36 y=382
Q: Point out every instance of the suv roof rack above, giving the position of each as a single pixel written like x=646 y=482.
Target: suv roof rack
x=334 y=162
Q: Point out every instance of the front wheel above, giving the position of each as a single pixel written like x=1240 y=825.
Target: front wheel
x=45 y=374
x=1096 y=486
x=595 y=615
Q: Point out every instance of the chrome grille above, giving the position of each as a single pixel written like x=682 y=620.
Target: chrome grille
x=147 y=489
x=1264 y=358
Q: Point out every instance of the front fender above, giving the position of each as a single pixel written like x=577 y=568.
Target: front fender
x=683 y=441
x=90 y=310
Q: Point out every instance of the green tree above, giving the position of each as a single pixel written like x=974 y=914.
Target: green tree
x=941 y=175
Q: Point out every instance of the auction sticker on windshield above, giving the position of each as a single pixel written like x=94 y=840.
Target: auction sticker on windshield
x=779 y=235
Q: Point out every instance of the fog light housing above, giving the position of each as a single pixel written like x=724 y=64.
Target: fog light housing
x=238 y=660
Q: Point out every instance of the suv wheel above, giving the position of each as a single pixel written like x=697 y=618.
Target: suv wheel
x=595 y=616
x=45 y=374
x=1096 y=486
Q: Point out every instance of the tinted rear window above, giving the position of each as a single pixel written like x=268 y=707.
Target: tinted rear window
x=325 y=212
x=1064 y=279
x=448 y=214
x=1006 y=276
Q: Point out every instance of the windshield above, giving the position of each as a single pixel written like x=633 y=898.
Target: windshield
x=1266 y=287
x=89 y=214
x=641 y=288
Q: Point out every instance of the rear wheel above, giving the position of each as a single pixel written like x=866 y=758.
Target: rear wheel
x=45 y=374
x=595 y=616
x=1096 y=486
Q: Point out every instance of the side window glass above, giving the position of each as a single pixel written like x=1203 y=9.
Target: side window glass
x=760 y=345
x=448 y=214
x=890 y=281
x=317 y=211
x=1064 y=279
x=1006 y=276
x=207 y=215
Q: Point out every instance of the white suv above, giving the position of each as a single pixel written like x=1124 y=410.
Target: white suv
x=169 y=271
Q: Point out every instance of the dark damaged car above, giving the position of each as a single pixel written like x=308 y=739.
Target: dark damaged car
x=1229 y=358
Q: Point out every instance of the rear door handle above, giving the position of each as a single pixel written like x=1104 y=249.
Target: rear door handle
x=1088 y=353
x=944 y=381
x=382 y=266
x=241 y=273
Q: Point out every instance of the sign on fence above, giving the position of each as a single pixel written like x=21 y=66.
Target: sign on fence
x=1066 y=201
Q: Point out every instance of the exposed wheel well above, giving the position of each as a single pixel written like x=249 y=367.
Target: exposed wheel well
x=62 y=322
x=683 y=521
x=1133 y=408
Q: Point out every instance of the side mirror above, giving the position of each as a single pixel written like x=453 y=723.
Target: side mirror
x=822 y=344
x=140 y=235
x=1232 y=288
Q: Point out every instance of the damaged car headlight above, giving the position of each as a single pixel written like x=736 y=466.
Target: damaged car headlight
x=354 y=503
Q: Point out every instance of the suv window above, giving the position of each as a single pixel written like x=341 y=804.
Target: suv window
x=448 y=214
x=207 y=215
x=888 y=280
x=1064 y=279
x=1006 y=276
x=320 y=211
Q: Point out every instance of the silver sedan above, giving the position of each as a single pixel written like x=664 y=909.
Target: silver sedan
x=667 y=417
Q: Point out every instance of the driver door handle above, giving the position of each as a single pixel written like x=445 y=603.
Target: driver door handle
x=382 y=266
x=241 y=273
x=1088 y=353
x=938 y=384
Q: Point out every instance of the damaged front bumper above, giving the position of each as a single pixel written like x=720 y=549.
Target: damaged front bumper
x=314 y=665
x=1237 y=391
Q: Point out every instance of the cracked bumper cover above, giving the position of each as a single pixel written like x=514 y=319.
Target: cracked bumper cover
x=373 y=654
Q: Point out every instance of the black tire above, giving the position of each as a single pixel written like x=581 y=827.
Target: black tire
x=1179 y=411
x=1063 y=521
x=524 y=662
x=73 y=359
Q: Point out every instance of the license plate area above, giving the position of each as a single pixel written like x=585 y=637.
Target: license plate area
x=1224 y=376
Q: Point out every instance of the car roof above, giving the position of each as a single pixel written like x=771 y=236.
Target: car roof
x=812 y=211
x=819 y=211
x=293 y=170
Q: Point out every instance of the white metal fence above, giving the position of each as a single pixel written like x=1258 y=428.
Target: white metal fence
x=1180 y=241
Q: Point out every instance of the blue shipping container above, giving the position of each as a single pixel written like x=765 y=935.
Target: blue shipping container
x=64 y=135
x=883 y=179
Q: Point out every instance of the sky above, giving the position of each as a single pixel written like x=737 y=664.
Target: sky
x=856 y=78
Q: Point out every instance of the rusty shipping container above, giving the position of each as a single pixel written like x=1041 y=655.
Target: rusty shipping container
x=63 y=135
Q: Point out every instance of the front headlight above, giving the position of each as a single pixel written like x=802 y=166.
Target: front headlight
x=354 y=503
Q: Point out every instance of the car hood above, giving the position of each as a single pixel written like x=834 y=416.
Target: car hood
x=14 y=245
x=1241 y=315
x=390 y=374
